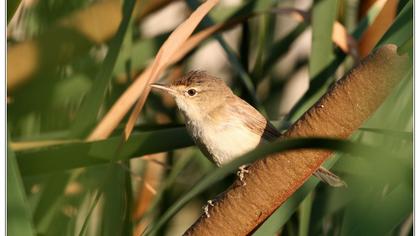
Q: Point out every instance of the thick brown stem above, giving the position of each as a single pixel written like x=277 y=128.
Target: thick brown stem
x=274 y=179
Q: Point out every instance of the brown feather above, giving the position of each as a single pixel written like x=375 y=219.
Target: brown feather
x=195 y=77
x=253 y=119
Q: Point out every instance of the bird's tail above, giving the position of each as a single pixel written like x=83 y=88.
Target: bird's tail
x=329 y=178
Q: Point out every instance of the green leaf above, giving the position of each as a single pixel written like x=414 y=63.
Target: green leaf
x=18 y=213
x=114 y=204
x=323 y=16
x=281 y=47
x=82 y=154
x=50 y=201
x=305 y=215
x=175 y=172
x=87 y=115
x=322 y=62
x=141 y=53
x=265 y=36
x=381 y=214
x=70 y=89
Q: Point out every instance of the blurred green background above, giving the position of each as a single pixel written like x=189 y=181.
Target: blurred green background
x=69 y=61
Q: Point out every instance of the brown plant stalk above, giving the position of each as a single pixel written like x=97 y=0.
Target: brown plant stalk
x=380 y=25
x=271 y=181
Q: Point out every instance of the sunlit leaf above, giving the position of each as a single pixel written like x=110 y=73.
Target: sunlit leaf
x=82 y=154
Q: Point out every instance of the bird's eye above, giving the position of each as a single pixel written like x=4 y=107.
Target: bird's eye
x=191 y=92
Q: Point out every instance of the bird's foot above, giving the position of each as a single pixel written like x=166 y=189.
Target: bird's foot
x=241 y=173
x=206 y=208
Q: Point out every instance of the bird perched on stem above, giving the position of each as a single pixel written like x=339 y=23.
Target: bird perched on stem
x=223 y=125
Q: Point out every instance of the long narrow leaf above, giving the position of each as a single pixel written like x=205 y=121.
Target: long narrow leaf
x=88 y=113
x=82 y=154
x=18 y=212
x=323 y=17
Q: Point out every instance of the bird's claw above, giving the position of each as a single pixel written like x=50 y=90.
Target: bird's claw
x=206 y=208
x=241 y=173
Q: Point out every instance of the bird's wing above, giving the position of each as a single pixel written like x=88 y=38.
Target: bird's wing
x=253 y=119
x=262 y=127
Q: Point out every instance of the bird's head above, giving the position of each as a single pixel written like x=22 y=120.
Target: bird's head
x=197 y=93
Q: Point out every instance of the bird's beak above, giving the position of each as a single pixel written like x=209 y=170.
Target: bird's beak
x=164 y=88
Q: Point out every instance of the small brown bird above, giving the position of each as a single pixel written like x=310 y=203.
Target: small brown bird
x=223 y=125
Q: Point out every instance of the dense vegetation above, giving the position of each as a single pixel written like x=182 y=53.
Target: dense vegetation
x=69 y=62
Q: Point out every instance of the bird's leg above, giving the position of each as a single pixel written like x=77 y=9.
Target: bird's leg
x=241 y=173
x=211 y=203
x=206 y=208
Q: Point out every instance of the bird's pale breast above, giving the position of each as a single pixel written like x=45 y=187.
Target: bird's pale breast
x=223 y=141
